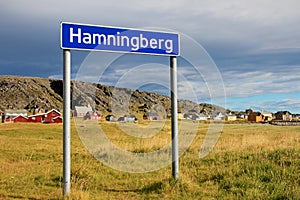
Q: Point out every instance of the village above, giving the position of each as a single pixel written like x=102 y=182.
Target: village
x=88 y=113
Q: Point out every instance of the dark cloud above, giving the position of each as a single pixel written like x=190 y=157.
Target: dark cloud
x=255 y=44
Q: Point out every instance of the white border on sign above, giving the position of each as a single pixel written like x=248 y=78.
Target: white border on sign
x=129 y=29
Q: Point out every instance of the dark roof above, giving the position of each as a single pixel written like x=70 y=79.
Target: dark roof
x=283 y=113
x=256 y=113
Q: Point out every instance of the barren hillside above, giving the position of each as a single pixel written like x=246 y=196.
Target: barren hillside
x=30 y=93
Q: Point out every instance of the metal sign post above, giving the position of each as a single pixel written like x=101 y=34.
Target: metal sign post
x=66 y=122
x=74 y=36
x=174 y=113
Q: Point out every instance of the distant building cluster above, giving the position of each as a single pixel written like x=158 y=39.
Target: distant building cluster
x=88 y=113
x=262 y=116
x=265 y=116
x=10 y=115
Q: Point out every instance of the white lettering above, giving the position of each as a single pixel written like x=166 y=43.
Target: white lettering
x=134 y=43
x=123 y=38
x=143 y=41
x=99 y=38
x=87 y=38
x=169 y=46
x=111 y=40
x=160 y=41
x=118 y=38
x=78 y=35
x=153 y=43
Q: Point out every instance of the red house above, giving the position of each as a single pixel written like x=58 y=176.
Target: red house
x=92 y=115
x=52 y=116
x=20 y=118
x=36 y=118
x=49 y=116
x=57 y=119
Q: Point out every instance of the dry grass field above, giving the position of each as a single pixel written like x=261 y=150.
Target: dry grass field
x=249 y=161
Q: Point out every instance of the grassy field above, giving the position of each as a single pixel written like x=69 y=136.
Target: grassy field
x=250 y=161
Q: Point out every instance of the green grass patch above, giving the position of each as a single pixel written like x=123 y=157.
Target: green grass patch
x=248 y=162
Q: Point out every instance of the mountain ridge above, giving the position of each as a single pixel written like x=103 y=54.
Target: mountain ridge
x=30 y=93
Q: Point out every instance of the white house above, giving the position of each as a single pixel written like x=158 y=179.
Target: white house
x=81 y=111
x=218 y=116
x=201 y=117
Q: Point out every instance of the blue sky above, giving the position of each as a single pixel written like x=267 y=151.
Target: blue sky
x=255 y=45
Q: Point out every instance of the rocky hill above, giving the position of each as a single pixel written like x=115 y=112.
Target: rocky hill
x=31 y=93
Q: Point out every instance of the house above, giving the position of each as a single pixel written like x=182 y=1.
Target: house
x=268 y=116
x=283 y=116
x=57 y=119
x=296 y=117
x=217 y=116
x=127 y=118
x=255 y=117
x=81 y=111
x=38 y=118
x=87 y=113
x=110 y=118
x=263 y=116
x=14 y=113
x=20 y=118
x=195 y=116
x=241 y=116
x=230 y=117
x=97 y=115
x=187 y=116
x=9 y=114
x=52 y=116
x=199 y=117
x=121 y=119
x=92 y=115
x=151 y=116
x=248 y=111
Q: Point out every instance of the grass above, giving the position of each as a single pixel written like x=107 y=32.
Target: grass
x=249 y=162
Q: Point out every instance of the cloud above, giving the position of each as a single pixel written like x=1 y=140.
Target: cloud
x=289 y=104
x=284 y=79
x=255 y=44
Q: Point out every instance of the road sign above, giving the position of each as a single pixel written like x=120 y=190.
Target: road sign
x=124 y=40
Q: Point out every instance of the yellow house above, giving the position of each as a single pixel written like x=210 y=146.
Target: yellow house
x=230 y=118
x=268 y=116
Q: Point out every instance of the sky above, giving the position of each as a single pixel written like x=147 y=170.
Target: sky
x=247 y=52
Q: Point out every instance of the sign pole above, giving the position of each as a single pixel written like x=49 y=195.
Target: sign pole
x=174 y=113
x=73 y=37
x=66 y=122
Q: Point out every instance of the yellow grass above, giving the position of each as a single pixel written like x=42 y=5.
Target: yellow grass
x=249 y=161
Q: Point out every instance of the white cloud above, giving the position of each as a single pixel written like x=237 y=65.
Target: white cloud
x=266 y=24
x=289 y=104
x=237 y=32
x=244 y=84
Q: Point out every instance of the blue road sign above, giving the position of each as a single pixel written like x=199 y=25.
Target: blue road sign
x=123 y=40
